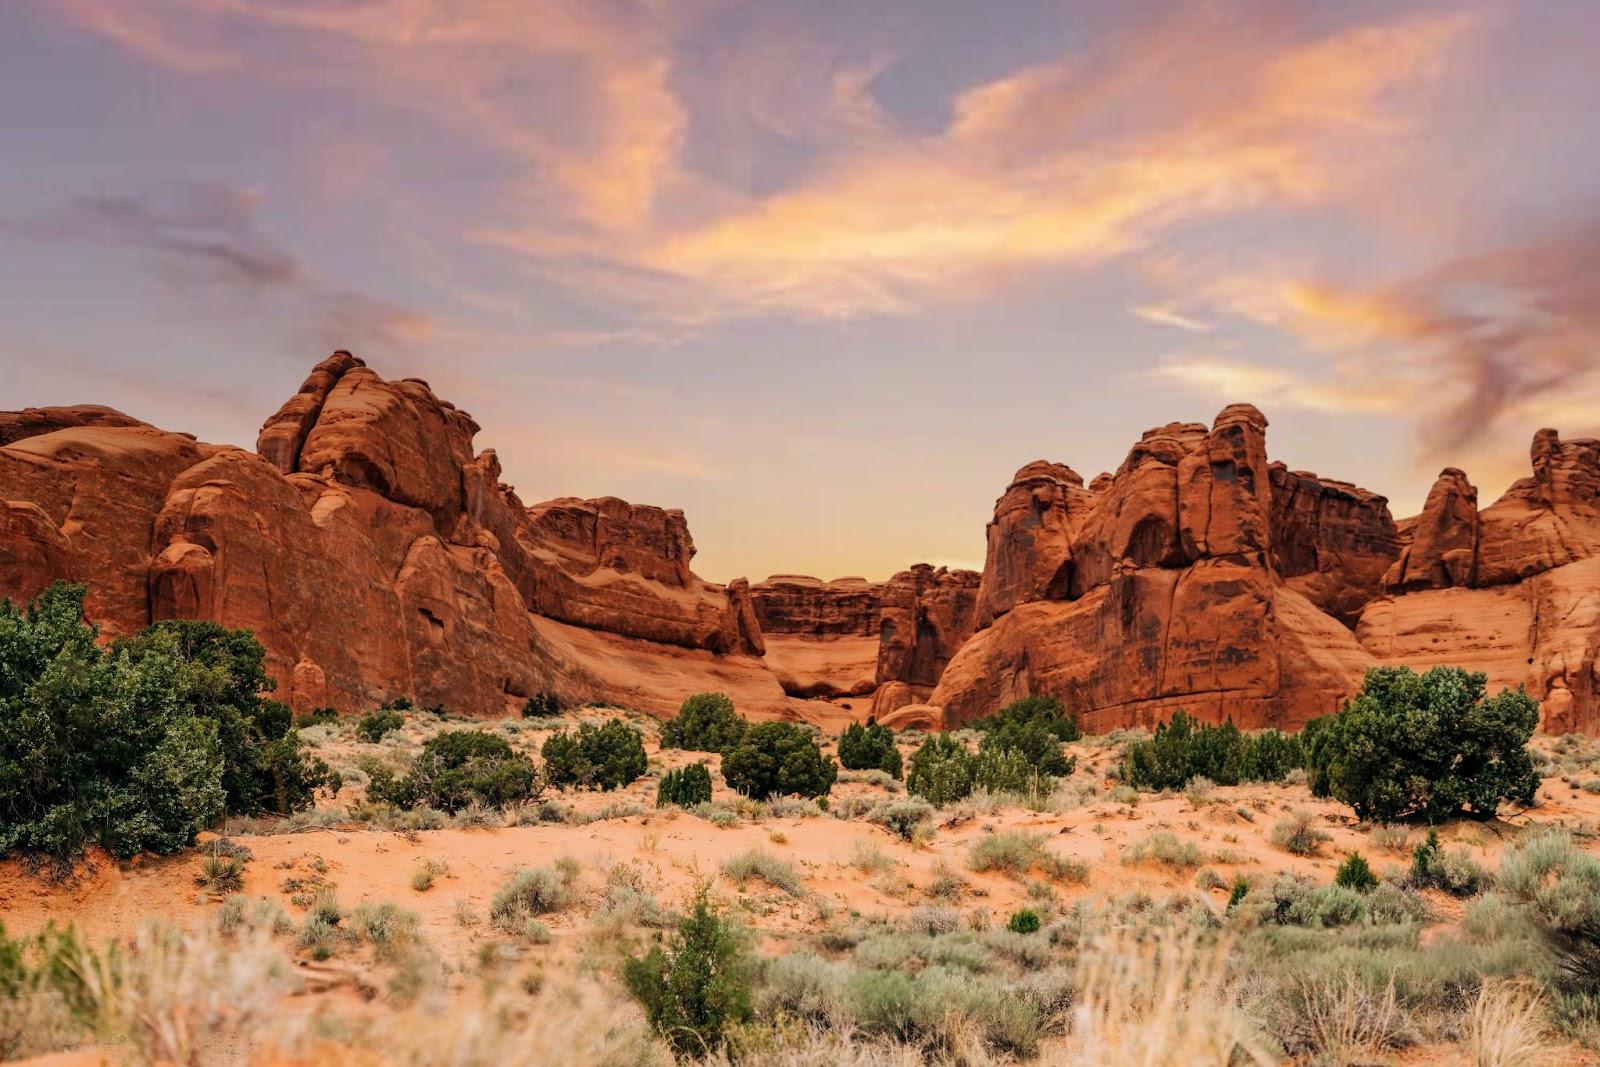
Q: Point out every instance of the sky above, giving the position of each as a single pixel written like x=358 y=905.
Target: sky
x=821 y=274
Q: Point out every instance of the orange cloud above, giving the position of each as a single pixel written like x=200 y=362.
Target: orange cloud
x=1476 y=348
x=1234 y=380
x=886 y=228
x=1070 y=162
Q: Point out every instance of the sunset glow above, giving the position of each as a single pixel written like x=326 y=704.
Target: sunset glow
x=823 y=275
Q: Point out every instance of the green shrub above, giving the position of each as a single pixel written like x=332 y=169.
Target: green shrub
x=221 y=873
x=1025 y=921
x=1269 y=756
x=541 y=706
x=316 y=717
x=1299 y=835
x=697 y=988
x=533 y=891
x=1327 y=906
x=869 y=747
x=140 y=745
x=456 y=769
x=942 y=770
x=904 y=817
x=1001 y=769
x=595 y=757
x=1015 y=852
x=1047 y=713
x=1462 y=750
x=1185 y=748
x=1241 y=889
x=706 y=722
x=686 y=787
x=773 y=870
x=1455 y=872
x=778 y=759
x=1558 y=881
x=386 y=924
x=376 y=725
x=1165 y=848
x=1355 y=873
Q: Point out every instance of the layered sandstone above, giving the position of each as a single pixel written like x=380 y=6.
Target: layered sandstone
x=1164 y=590
x=821 y=637
x=374 y=555
x=1512 y=590
x=1332 y=541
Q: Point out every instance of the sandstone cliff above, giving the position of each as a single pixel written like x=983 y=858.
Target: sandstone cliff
x=374 y=555
x=1513 y=589
x=1161 y=587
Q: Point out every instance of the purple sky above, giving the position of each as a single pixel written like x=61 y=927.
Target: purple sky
x=821 y=274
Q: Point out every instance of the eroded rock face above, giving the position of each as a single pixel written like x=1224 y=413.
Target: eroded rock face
x=793 y=604
x=1547 y=520
x=1167 y=594
x=927 y=614
x=31 y=422
x=1443 y=548
x=373 y=555
x=100 y=486
x=376 y=555
x=1512 y=590
x=1030 y=539
x=1332 y=541
x=610 y=565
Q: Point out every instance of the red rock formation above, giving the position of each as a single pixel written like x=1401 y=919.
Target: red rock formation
x=1547 y=520
x=100 y=483
x=610 y=565
x=1331 y=541
x=820 y=637
x=373 y=555
x=1512 y=590
x=31 y=422
x=1443 y=548
x=1030 y=539
x=1171 y=598
x=927 y=614
x=794 y=604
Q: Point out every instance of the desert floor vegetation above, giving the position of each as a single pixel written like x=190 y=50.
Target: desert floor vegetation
x=1078 y=921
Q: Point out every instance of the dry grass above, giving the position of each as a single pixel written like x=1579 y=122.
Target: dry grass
x=170 y=995
x=1506 y=1027
x=573 y=1022
x=1341 y=1022
x=1160 y=1002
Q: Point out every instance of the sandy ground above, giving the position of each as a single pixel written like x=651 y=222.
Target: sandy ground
x=674 y=852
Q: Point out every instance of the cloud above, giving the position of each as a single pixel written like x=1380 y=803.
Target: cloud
x=1243 y=380
x=201 y=232
x=576 y=93
x=1473 y=345
x=1494 y=336
x=1163 y=315
x=1065 y=163
x=204 y=236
